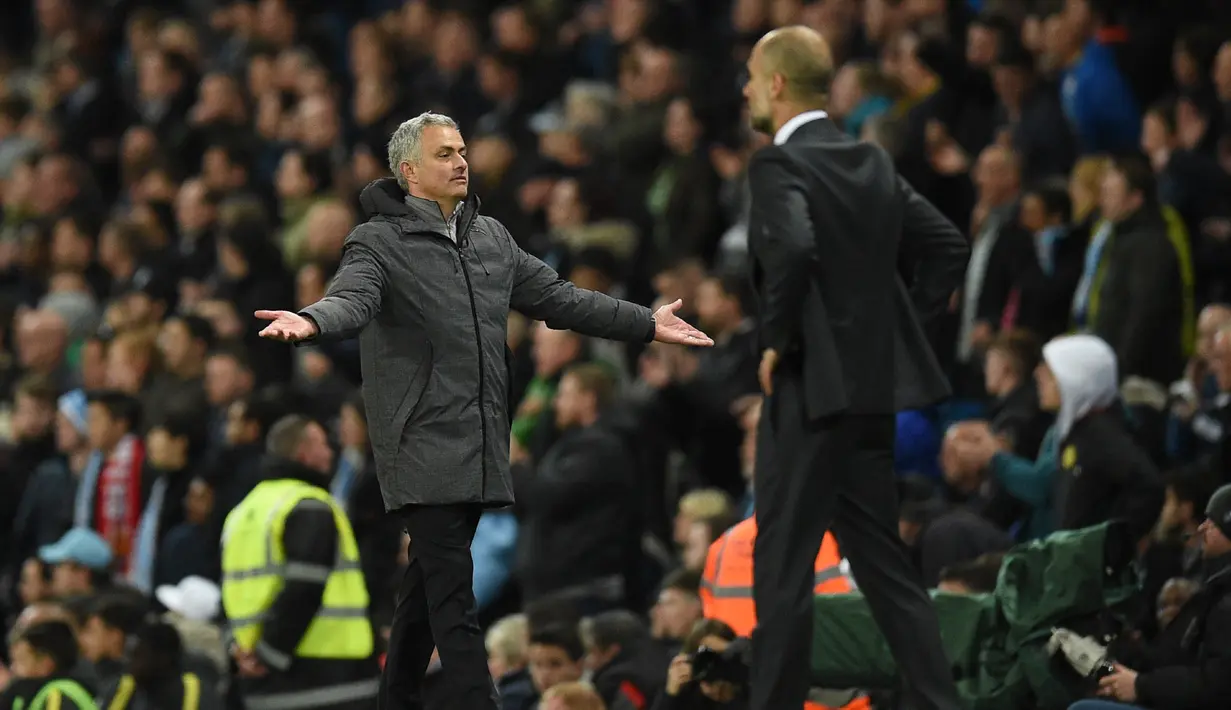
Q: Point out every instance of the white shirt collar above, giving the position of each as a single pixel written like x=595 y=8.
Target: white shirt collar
x=788 y=128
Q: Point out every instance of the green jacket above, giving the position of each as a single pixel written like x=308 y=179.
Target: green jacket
x=994 y=642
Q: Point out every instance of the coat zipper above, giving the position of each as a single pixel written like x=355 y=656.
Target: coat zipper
x=478 y=343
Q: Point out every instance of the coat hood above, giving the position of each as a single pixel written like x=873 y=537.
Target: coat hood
x=1085 y=370
x=384 y=197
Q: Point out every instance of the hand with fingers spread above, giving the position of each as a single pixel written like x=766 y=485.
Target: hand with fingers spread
x=670 y=328
x=286 y=326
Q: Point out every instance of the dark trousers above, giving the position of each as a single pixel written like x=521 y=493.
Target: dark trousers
x=836 y=474
x=436 y=608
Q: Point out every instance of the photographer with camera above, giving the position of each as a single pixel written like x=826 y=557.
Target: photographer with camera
x=708 y=674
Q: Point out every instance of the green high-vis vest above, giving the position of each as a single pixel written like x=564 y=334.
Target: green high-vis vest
x=254 y=570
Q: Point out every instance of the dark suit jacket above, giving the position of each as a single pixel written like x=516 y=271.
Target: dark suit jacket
x=851 y=266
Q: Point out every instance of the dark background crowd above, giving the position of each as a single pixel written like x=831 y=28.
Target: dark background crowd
x=167 y=168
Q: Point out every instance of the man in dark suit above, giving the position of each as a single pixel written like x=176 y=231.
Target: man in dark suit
x=842 y=251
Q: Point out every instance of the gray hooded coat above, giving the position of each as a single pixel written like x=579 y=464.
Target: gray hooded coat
x=432 y=315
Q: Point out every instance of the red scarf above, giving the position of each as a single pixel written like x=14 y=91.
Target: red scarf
x=118 y=502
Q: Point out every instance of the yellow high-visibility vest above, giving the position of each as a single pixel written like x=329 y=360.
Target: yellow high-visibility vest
x=254 y=571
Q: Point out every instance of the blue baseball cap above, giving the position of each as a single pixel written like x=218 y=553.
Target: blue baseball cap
x=80 y=546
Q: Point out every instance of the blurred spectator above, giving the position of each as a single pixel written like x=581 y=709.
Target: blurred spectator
x=43 y=656
x=556 y=656
x=677 y=609
x=109 y=623
x=507 y=647
x=156 y=677
x=626 y=668
x=81 y=563
x=109 y=493
x=585 y=557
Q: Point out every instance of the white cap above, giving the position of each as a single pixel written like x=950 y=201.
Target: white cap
x=194 y=598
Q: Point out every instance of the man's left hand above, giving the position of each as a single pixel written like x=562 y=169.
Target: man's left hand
x=670 y=328
x=1121 y=685
x=769 y=363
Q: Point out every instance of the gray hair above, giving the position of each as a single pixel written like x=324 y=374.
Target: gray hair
x=286 y=435
x=406 y=143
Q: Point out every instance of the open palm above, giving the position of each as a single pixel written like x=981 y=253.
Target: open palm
x=670 y=328
x=286 y=326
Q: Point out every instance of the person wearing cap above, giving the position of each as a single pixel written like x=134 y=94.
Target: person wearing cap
x=192 y=605
x=81 y=563
x=45 y=513
x=1197 y=674
x=293 y=591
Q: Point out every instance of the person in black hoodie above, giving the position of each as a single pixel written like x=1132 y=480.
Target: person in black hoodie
x=1049 y=262
x=156 y=677
x=627 y=668
x=580 y=517
x=109 y=622
x=1191 y=668
x=41 y=656
x=1103 y=472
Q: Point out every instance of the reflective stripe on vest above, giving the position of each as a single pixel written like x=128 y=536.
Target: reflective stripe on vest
x=128 y=686
x=255 y=569
x=50 y=696
x=318 y=697
x=829 y=569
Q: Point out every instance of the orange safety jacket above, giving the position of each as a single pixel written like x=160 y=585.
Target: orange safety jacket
x=726 y=586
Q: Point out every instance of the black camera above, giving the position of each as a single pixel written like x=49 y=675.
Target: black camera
x=713 y=666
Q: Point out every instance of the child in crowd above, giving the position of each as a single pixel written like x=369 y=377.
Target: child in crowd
x=42 y=656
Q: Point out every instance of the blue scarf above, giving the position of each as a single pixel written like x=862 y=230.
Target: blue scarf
x=146 y=551
x=1094 y=253
x=83 y=503
x=1045 y=247
x=344 y=478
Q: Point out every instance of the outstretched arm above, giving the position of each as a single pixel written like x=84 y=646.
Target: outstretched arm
x=351 y=301
x=540 y=293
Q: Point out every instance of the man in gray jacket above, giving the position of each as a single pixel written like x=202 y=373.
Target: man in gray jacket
x=428 y=282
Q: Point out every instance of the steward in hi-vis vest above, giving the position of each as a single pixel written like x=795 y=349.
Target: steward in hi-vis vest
x=295 y=598
x=726 y=585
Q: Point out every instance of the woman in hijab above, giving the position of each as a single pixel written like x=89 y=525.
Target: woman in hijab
x=1102 y=473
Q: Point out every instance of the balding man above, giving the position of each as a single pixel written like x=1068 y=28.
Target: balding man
x=843 y=318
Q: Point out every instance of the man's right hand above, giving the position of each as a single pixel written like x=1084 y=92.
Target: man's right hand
x=287 y=327
x=678 y=674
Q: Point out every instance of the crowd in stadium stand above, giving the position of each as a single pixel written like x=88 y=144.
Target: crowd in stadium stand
x=167 y=168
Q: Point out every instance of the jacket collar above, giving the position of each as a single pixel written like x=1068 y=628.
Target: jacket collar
x=384 y=198
x=795 y=123
x=816 y=129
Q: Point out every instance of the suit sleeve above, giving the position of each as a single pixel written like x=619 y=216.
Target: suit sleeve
x=310 y=538
x=933 y=255
x=354 y=295
x=784 y=245
x=540 y=293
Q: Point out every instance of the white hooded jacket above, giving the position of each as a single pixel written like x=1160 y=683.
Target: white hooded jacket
x=1085 y=370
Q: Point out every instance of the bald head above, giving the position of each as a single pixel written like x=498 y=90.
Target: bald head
x=801 y=55
x=789 y=72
